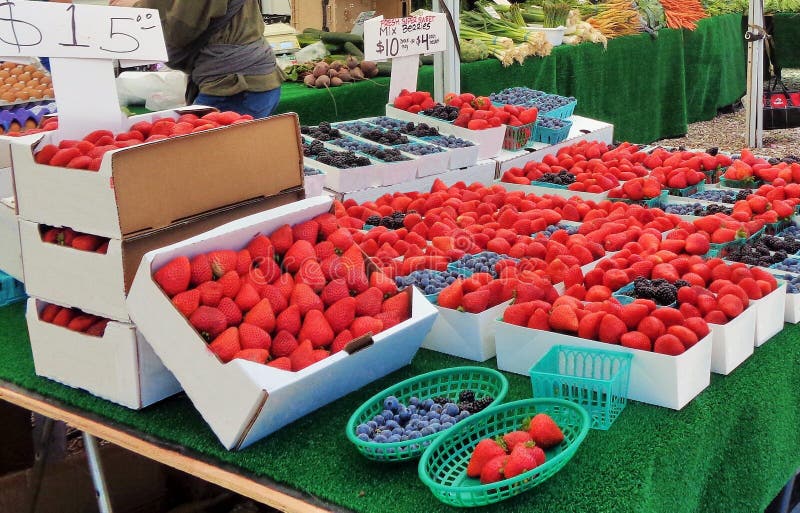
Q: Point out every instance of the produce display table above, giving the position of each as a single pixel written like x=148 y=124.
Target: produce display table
x=730 y=449
x=647 y=88
x=786 y=38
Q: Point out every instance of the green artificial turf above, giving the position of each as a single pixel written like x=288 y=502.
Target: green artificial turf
x=786 y=39
x=730 y=450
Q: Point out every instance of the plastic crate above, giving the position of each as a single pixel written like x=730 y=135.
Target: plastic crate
x=517 y=137
x=11 y=291
x=657 y=202
x=549 y=135
x=549 y=185
x=687 y=191
x=445 y=382
x=443 y=465
x=740 y=184
x=595 y=379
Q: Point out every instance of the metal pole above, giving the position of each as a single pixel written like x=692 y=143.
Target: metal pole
x=447 y=65
x=755 y=76
x=39 y=464
x=96 y=469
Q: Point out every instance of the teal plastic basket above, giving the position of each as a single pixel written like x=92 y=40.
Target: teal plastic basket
x=11 y=291
x=445 y=382
x=777 y=227
x=740 y=184
x=443 y=466
x=549 y=185
x=658 y=202
x=596 y=379
x=688 y=191
x=549 y=135
x=562 y=112
x=517 y=137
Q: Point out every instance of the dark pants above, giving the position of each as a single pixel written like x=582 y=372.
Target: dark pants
x=258 y=105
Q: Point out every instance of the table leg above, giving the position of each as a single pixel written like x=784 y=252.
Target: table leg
x=96 y=468
x=39 y=464
x=786 y=496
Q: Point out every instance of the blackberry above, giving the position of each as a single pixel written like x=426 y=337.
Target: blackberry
x=441 y=400
x=743 y=194
x=468 y=406
x=386 y=221
x=665 y=295
x=466 y=396
x=373 y=220
x=444 y=112
x=483 y=403
x=645 y=292
x=712 y=151
x=658 y=282
x=682 y=283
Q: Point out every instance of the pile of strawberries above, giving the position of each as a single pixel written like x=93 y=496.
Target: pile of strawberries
x=74 y=319
x=414 y=102
x=478 y=112
x=76 y=240
x=288 y=299
x=482 y=291
x=516 y=452
x=88 y=153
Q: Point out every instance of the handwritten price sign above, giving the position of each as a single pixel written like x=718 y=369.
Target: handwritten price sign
x=35 y=29
x=404 y=37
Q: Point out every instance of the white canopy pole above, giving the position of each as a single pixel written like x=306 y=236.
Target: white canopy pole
x=755 y=74
x=447 y=65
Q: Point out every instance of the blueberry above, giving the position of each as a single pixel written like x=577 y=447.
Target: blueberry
x=364 y=437
x=427 y=404
x=404 y=438
x=372 y=425
x=414 y=435
x=447 y=425
x=426 y=431
x=445 y=418
x=404 y=416
x=379 y=420
x=363 y=428
x=391 y=424
x=391 y=403
x=381 y=439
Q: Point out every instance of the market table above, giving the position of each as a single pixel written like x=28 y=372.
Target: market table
x=731 y=449
x=648 y=88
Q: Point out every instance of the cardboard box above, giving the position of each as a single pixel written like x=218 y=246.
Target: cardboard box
x=483 y=172
x=662 y=380
x=335 y=15
x=10 y=250
x=770 y=311
x=489 y=141
x=154 y=185
x=463 y=334
x=730 y=343
x=120 y=367
x=583 y=129
x=243 y=401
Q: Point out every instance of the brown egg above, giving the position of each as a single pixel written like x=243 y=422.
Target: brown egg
x=24 y=77
x=8 y=65
x=48 y=93
x=30 y=68
x=8 y=97
x=16 y=70
x=38 y=74
x=4 y=74
x=10 y=80
x=34 y=82
x=23 y=94
x=46 y=80
x=18 y=86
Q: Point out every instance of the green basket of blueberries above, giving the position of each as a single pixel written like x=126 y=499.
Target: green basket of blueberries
x=400 y=422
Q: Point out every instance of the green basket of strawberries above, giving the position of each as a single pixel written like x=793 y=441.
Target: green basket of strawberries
x=467 y=467
x=398 y=423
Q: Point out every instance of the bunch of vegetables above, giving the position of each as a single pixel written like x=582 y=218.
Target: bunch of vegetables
x=337 y=72
x=683 y=13
x=651 y=15
x=555 y=13
x=507 y=38
x=717 y=7
x=579 y=31
x=617 y=18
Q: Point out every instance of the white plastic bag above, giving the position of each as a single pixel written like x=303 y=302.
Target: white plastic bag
x=157 y=90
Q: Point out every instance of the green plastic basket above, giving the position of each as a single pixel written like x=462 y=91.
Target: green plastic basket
x=657 y=202
x=517 y=137
x=445 y=382
x=688 y=191
x=443 y=466
x=740 y=184
x=594 y=378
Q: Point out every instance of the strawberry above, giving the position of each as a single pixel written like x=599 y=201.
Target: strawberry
x=297 y=255
x=715 y=317
x=341 y=341
x=669 y=316
x=516 y=437
x=310 y=273
x=307 y=231
x=389 y=319
x=305 y=298
x=386 y=284
x=316 y=329
x=341 y=314
x=366 y=325
x=226 y=344
x=651 y=327
x=398 y=305
x=283 y=344
x=452 y=295
x=324 y=249
x=730 y=305
x=486 y=450
x=222 y=261
x=319 y=354
x=369 y=302
x=174 y=276
x=247 y=297
x=687 y=337
x=341 y=240
x=210 y=293
x=282 y=239
x=81 y=322
x=475 y=302
x=253 y=355
x=564 y=318
x=98 y=329
x=521 y=460
x=285 y=283
x=357 y=281
x=611 y=329
x=518 y=314
x=64 y=316
x=243 y=262
x=633 y=313
x=49 y=312
x=589 y=325
x=492 y=471
x=636 y=340
x=86 y=242
x=289 y=320
x=232 y=313
x=282 y=363
x=669 y=345
x=275 y=298
x=253 y=337
x=301 y=357
x=230 y=283
x=574 y=276
x=544 y=431
x=697 y=244
x=208 y=321
x=262 y=316
x=260 y=248
x=334 y=291
x=698 y=326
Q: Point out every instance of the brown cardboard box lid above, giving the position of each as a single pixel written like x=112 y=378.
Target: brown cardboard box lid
x=164 y=182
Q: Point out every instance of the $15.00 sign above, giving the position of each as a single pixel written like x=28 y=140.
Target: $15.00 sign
x=402 y=40
x=82 y=41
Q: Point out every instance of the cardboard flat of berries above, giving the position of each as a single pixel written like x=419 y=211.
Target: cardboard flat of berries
x=443 y=465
